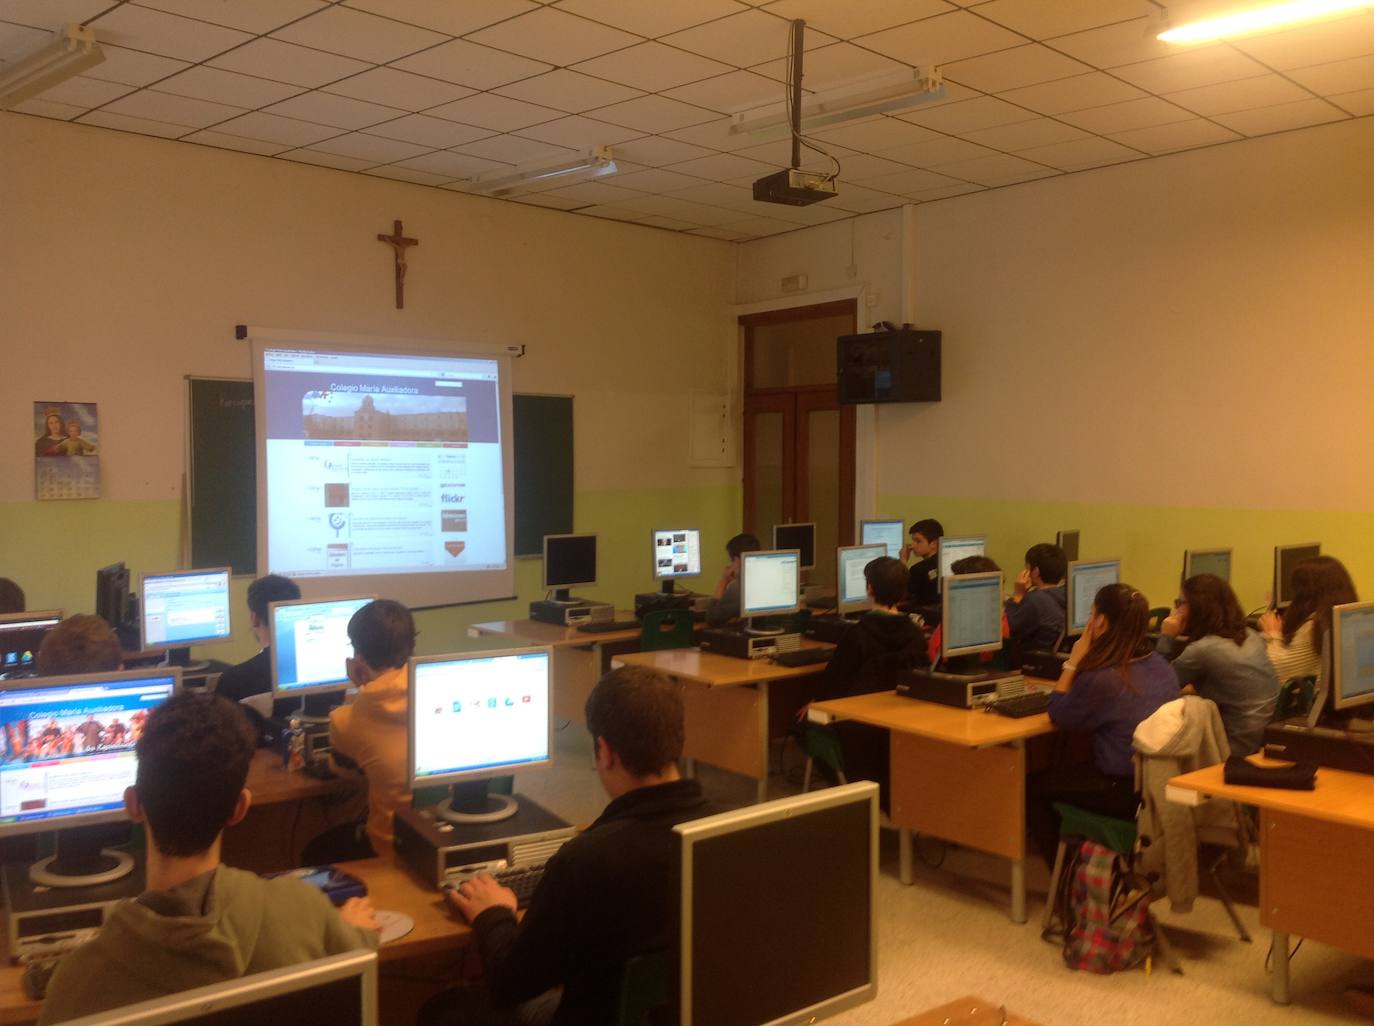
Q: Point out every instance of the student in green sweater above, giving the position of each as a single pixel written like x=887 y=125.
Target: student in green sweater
x=199 y=922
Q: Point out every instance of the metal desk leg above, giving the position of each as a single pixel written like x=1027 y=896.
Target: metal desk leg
x=904 y=850
x=1018 y=890
x=761 y=791
x=689 y=768
x=1278 y=983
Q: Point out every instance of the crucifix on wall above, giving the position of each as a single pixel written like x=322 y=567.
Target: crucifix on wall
x=398 y=242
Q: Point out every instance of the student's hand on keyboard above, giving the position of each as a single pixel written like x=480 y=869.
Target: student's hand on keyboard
x=475 y=895
x=359 y=912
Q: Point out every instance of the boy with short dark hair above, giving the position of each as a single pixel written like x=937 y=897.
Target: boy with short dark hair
x=924 y=547
x=81 y=643
x=198 y=922
x=254 y=676
x=724 y=605
x=1036 y=610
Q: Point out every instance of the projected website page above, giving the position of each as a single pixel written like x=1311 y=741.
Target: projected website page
x=382 y=463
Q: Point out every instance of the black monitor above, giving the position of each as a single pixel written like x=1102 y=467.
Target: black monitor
x=21 y=635
x=112 y=594
x=569 y=562
x=778 y=910
x=1286 y=557
x=1068 y=542
x=801 y=537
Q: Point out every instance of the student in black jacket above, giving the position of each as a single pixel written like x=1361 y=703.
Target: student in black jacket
x=608 y=894
x=1036 y=609
x=254 y=676
x=924 y=579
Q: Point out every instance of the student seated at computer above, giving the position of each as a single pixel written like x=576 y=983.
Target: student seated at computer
x=967 y=565
x=923 y=580
x=81 y=643
x=1036 y=609
x=1112 y=681
x=198 y=922
x=368 y=735
x=608 y=894
x=11 y=597
x=724 y=605
x=1294 y=637
x=254 y=676
x=1216 y=655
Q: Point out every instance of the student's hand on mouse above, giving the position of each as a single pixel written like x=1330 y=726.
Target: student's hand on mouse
x=477 y=894
x=1175 y=623
x=360 y=913
x=1023 y=583
x=1271 y=623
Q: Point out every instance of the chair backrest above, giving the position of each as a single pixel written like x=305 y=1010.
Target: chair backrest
x=646 y=988
x=666 y=628
x=1156 y=619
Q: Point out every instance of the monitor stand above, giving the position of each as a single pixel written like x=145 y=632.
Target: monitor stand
x=317 y=712
x=81 y=861
x=182 y=657
x=469 y=803
x=563 y=595
x=760 y=632
x=667 y=586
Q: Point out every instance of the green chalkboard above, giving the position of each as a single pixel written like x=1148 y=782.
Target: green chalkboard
x=222 y=476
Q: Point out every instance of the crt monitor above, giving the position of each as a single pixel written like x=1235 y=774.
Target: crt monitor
x=1216 y=562
x=569 y=562
x=1286 y=557
x=677 y=553
x=891 y=533
x=1352 y=646
x=801 y=537
x=67 y=755
x=852 y=585
x=954 y=549
x=1068 y=541
x=769 y=583
x=188 y=607
x=971 y=614
x=339 y=990
x=477 y=715
x=1085 y=579
x=767 y=937
x=21 y=634
x=310 y=645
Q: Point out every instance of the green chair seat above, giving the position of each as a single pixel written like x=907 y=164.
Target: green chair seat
x=1113 y=833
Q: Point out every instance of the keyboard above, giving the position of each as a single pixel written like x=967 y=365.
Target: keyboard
x=522 y=880
x=606 y=628
x=804 y=656
x=1029 y=704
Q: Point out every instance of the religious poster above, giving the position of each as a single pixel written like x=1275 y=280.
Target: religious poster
x=66 y=453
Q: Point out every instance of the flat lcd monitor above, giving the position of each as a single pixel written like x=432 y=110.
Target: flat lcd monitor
x=1216 y=562
x=677 y=553
x=851 y=584
x=476 y=715
x=1352 y=642
x=21 y=635
x=1068 y=541
x=112 y=594
x=971 y=618
x=751 y=951
x=310 y=645
x=891 y=533
x=954 y=549
x=770 y=582
x=340 y=990
x=569 y=560
x=801 y=537
x=1085 y=579
x=189 y=607
x=1286 y=557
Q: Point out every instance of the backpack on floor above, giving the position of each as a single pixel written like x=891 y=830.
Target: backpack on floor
x=1107 y=926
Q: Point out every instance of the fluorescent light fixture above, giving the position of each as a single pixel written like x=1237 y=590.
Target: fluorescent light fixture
x=591 y=163
x=1239 y=21
x=71 y=52
x=846 y=103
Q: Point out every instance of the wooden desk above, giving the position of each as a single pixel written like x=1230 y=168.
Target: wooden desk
x=956 y=774
x=1316 y=858
x=725 y=704
x=966 y=1011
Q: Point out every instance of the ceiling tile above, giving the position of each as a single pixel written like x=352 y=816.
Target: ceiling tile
x=399 y=89
x=745 y=39
x=271 y=128
x=682 y=209
x=942 y=149
x=875 y=134
x=911 y=180
x=1008 y=69
x=568 y=91
x=511 y=149
x=1208 y=66
x=835 y=65
x=654 y=114
x=657 y=180
x=779 y=152
x=737 y=91
x=339 y=111
x=1124 y=117
x=133 y=67
x=816 y=213
x=455 y=19
x=760 y=227
x=1111 y=45
x=723 y=167
x=723 y=234
x=1081 y=153
x=407 y=174
x=234 y=142
x=468 y=64
x=286 y=62
x=423 y=130
x=177 y=110
x=862 y=200
x=255 y=16
x=1338 y=76
x=1320 y=43
x=608 y=212
x=321 y=159
x=453 y=165
x=541 y=199
x=184 y=38
x=1077 y=93
x=718 y=194
x=667 y=223
x=930 y=195
x=652 y=19
x=125 y=123
x=655 y=151
x=51 y=14
x=652 y=67
x=1040 y=20
x=858 y=17
x=217 y=86
x=48 y=109
x=370 y=148
x=1180 y=135
x=358 y=34
x=554 y=36
x=1246 y=94
x=17 y=41
x=968 y=115
x=84 y=92
x=941 y=40
x=499 y=113
x=714 y=135
x=596 y=193
x=1002 y=169
x=863 y=166
x=578 y=132
x=1360 y=102
x=1281 y=117
x=1025 y=134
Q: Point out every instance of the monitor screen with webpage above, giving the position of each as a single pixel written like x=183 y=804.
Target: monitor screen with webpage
x=1353 y=646
x=677 y=553
x=770 y=583
x=1216 y=562
x=1085 y=579
x=954 y=549
x=190 y=607
x=971 y=618
x=310 y=645
x=891 y=533
x=852 y=594
x=21 y=635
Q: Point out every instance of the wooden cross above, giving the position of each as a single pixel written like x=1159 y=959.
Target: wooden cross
x=399 y=242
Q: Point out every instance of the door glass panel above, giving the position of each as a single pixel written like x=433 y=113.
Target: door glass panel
x=797 y=353
x=768 y=474
x=823 y=490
